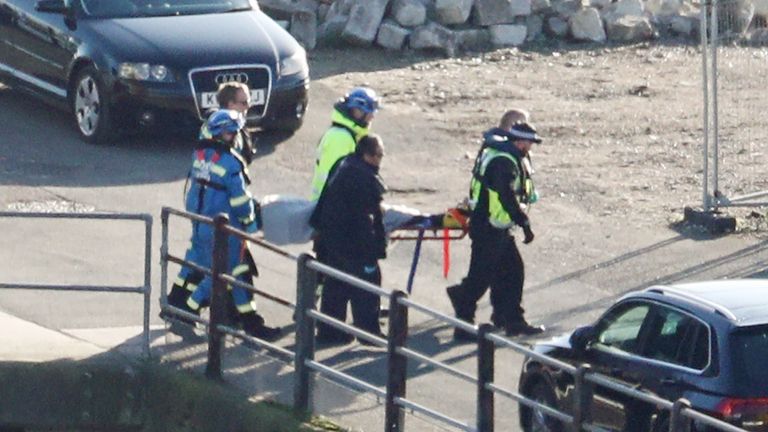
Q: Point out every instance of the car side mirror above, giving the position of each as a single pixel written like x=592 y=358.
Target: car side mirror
x=52 y=6
x=581 y=337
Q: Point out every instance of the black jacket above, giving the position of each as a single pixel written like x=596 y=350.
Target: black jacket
x=499 y=176
x=348 y=216
x=248 y=150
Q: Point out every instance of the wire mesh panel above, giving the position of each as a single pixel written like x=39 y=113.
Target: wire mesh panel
x=735 y=38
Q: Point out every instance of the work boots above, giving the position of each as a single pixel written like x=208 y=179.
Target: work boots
x=179 y=325
x=522 y=328
x=253 y=325
x=178 y=298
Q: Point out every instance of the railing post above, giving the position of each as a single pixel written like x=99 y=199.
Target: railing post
x=218 y=297
x=676 y=417
x=306 y=287
x=582 y=402
x=164 y=216
x=164 y=257
x=486 y=351
x=397 y=364
x=147 y=282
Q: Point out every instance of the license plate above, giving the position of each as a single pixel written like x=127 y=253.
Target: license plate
x=208 y=99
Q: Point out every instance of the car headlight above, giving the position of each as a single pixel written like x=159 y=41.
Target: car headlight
x=295 y=64
x=144 y=72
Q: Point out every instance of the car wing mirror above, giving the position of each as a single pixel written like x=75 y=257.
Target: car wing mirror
x=581 y=338
x=52 y=6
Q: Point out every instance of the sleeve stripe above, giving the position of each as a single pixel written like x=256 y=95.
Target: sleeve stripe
x=247 y=220
x=238 y=201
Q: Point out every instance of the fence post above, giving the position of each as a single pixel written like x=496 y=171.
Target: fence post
x=486 y=351
x=164 y=257
x=218 y=297
x=582 y=402
x=147 y=282
x=306 y=287
x=676 y=417
x=397 y=363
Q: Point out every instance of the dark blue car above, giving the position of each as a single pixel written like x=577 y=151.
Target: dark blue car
x=706 y=342
x=122 y=63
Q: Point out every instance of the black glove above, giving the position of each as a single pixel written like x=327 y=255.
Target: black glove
x=528 y=234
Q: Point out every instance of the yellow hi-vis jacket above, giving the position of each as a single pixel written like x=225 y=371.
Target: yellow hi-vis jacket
x=337 y=142
x=522 y=187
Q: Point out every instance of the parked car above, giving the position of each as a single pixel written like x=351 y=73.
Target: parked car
x=122 y=63
x=706 y=342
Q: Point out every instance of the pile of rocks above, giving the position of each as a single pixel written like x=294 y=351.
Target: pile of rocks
x=453 y=25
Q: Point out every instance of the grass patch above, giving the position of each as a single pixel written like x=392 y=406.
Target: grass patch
x=148 y=397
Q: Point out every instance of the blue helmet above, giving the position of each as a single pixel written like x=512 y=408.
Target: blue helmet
x=362 y=98
x=225 y=121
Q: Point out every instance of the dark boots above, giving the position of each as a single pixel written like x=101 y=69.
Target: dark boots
x=253 y=325
x=522 y=328
x=178 y=299
x=180 y=326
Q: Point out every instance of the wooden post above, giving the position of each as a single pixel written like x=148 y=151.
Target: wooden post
x=486 y=351
x=306 y=286
x=582 y=402
x=396 y=362
x=218 y=297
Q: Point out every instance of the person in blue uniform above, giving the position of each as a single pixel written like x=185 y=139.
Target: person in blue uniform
x=218 y=183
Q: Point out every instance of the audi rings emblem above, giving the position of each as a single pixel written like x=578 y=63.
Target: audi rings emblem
x=226 y=77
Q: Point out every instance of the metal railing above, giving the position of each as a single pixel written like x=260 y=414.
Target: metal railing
x=145 y=289
x=398 y=354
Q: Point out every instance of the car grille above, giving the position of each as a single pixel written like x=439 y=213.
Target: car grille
x=205 y=82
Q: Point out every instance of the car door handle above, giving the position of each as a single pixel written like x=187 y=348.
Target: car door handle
x=670 y=381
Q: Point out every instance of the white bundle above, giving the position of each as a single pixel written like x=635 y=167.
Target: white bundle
x=285 y=218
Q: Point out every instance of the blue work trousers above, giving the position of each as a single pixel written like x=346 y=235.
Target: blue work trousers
x=202 y=250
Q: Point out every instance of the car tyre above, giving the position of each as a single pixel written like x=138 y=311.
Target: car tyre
x=90 y=107
x=534 y=420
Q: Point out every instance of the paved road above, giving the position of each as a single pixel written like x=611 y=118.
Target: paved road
x=42 y=163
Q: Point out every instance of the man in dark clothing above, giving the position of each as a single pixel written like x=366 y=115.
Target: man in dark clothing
x=500 y=190
x=351 y=235
x=236 y=96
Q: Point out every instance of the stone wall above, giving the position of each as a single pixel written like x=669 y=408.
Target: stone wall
x=453 y=26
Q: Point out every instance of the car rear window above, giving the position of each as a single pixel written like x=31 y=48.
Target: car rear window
x=749 y=348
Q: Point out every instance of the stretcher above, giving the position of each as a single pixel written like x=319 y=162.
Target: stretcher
x=453 y=225
x=285 y=220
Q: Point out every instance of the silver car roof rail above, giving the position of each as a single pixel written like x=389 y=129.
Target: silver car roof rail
x=666 y=290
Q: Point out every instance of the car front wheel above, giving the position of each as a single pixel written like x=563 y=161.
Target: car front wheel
x=90 y=107
x=535 y=419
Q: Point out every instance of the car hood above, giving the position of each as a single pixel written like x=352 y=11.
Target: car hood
x=560 y=341
x=178 y=41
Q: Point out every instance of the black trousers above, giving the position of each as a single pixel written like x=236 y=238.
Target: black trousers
x=496 y=263
x=336 y=295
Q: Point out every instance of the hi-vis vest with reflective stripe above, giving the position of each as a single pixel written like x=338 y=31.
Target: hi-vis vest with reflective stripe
x=218 y=184
x=339 y=141
x=497 y=216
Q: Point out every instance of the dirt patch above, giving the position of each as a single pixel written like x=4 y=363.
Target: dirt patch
x=623 y=124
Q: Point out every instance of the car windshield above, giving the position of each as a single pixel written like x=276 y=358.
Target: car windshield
x=749 y=351
x=147 y=8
